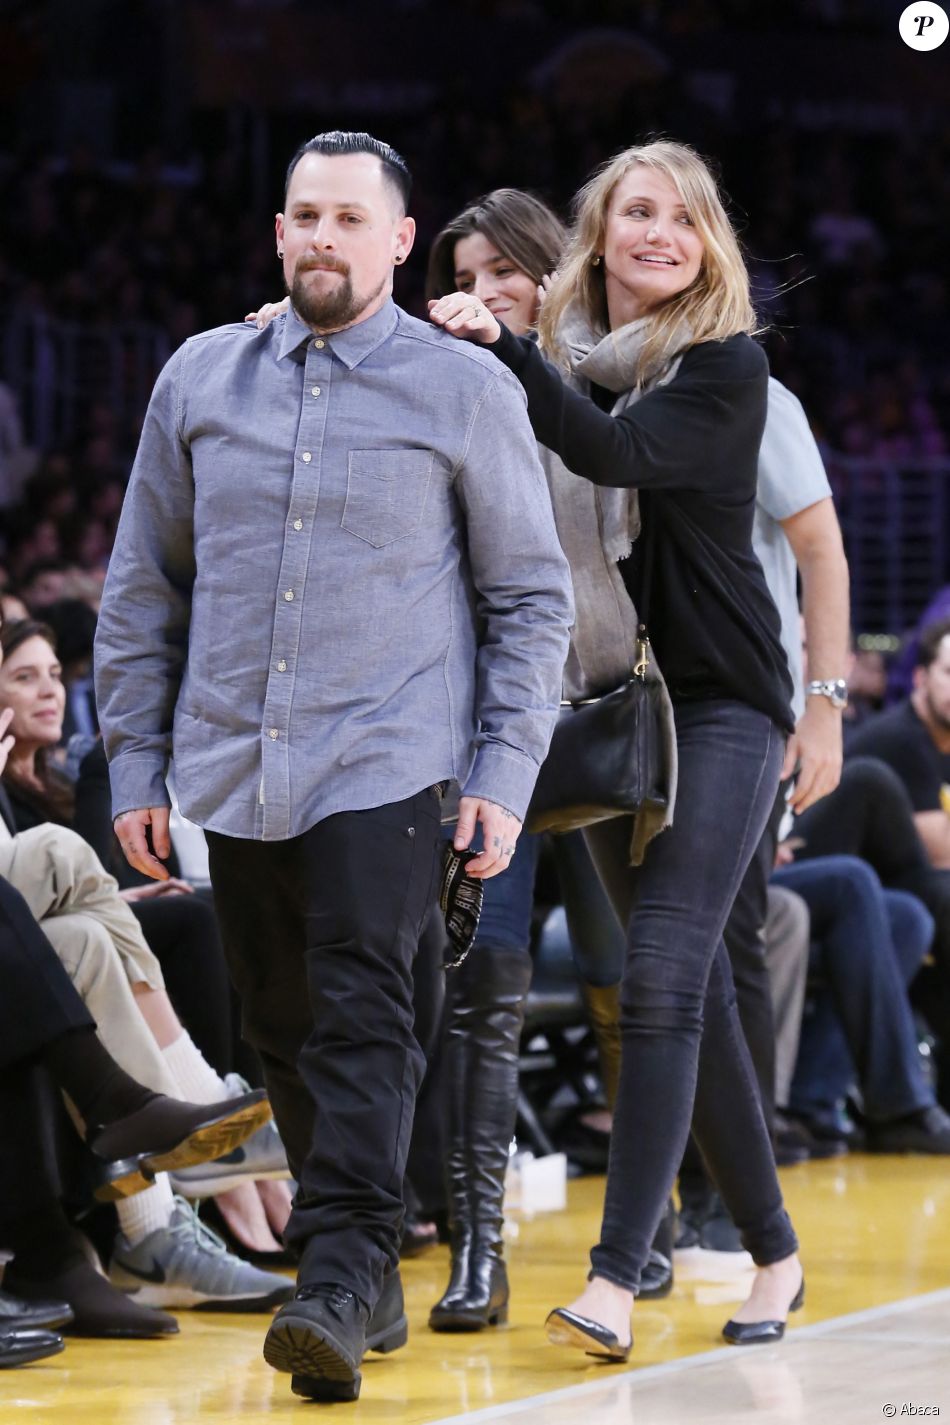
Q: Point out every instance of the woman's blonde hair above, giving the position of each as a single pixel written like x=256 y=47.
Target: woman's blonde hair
x=715 y=306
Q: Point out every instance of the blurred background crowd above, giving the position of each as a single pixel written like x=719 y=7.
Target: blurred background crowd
x=141 y=150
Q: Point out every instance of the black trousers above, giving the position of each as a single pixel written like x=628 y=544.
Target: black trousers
x=320 y=933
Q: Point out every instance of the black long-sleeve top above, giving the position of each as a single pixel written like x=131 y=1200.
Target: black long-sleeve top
x=691 y=450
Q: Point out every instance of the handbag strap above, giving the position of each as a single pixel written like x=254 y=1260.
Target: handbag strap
x=646 y=580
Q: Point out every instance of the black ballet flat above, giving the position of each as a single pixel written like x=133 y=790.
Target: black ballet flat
x=566 y=1328
x=754 y=1333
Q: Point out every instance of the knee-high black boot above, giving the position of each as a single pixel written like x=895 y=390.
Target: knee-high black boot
x=485 y=1017
x=603 y=1011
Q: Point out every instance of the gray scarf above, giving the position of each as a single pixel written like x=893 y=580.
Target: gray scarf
x=597 y=527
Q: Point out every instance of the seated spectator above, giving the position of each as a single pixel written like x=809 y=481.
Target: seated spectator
x=871 y=816
x=133 y=1133
x=181 y=921
x=914 y=738
x=867 y=945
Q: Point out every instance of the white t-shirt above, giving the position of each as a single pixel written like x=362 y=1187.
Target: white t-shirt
x=791 y=479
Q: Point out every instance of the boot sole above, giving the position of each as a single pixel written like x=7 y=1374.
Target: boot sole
x=295 y=1347
x=214 y=1139
x=467 y=1320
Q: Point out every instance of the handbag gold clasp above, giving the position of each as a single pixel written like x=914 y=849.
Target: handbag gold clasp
x=643 y=658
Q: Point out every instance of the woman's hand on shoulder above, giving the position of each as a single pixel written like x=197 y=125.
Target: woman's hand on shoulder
x=462 y=314
x=267 y=313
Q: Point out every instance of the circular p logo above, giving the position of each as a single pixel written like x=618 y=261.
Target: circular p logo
x=924 y=26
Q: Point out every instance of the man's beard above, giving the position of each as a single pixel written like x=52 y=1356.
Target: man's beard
x=333 y=308
x=940 y=719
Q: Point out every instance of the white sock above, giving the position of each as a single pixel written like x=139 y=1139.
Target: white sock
x=147 y=1211
x=197 y=1081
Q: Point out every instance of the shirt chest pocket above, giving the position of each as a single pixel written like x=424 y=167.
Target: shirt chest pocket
x=386 y=494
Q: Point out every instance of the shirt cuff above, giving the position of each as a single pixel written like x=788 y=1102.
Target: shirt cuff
x=137 y=781
x=501 y=776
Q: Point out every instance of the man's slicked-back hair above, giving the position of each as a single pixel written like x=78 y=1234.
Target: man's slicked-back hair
x=931 y=637
x=338 y=142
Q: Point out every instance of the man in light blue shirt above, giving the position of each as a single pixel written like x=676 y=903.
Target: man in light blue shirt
x=336 y=586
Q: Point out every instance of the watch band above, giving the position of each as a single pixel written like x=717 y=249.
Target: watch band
x=834 y=689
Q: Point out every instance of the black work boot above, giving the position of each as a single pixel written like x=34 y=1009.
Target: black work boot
x=319 y=1338
x=481 y=1065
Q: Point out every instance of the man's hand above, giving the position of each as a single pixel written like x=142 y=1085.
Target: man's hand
x=815 y=746
x=500 y=832
x=462 y=314
x=130 y=829
x=172 y=887
x=7 y=739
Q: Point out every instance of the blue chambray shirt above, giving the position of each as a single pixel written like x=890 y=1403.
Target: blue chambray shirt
x=336 y=580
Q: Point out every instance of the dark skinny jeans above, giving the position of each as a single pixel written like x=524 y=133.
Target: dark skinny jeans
x=685 y=1058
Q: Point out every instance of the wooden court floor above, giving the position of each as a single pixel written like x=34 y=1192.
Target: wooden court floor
x=875 y=1232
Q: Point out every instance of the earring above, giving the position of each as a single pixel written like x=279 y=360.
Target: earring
x=595 y=260
x=280 y=252
x=399 y=259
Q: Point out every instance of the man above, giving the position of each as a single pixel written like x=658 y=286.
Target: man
x=336 y=585
x=914 y=739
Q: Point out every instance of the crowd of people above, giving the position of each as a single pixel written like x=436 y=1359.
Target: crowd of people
x=668 y=455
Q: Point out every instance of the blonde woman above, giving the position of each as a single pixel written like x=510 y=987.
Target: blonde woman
x=657 y=395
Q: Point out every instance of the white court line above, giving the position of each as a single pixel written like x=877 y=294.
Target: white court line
x=797 y=1333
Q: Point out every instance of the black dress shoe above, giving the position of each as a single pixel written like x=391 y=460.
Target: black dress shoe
x=98 y=1308
x=17 y=1315
x=926 y=1131
x=566 y=1328
x=755 y=1333
x=18 y=1348
x=656 y=1279
x=319 y=1339
x=166 y=1135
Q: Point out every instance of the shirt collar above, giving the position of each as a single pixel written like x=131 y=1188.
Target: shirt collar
x=351 y=346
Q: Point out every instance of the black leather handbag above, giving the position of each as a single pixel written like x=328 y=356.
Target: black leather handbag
x=605 y=758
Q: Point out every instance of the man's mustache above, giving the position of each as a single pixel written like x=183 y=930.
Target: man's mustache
x=326 y=265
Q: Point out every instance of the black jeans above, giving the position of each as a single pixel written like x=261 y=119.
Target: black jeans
x=320 y=933
x=685 y=1057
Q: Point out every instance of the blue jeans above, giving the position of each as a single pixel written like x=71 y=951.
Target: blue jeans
x=867 y=945
x=685 y=1059
x=597 y=939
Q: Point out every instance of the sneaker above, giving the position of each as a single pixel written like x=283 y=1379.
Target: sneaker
x=926 y=1131
x=186 y=1264
x=261 y=1156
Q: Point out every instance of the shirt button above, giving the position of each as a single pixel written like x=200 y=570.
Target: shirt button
x=273 y=734
x=289 y=596
x=282 y=666
x=306 y=457
x=298 y=524
x=314 y=390
x=319 y=344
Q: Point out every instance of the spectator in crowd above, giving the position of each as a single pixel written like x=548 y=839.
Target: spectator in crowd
x=914 y=739
x=867 y=946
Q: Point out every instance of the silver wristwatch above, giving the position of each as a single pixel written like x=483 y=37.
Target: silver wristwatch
x=834 y=689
